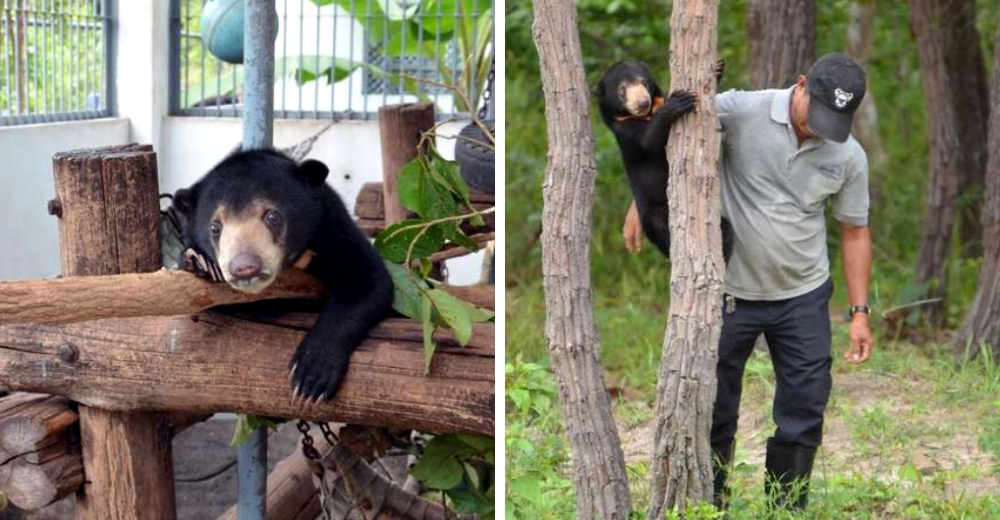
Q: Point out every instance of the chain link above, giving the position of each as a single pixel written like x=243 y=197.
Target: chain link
x=308 y=449
x=328 y=434
x=488 y=93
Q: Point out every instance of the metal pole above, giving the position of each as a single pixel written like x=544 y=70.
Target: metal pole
x=258 y=132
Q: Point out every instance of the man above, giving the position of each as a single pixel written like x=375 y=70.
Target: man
x=784 y=154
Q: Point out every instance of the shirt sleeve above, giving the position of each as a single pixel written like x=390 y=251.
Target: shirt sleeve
x=850 y=204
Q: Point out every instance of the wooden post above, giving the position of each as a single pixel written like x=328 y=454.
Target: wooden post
x=400 y=127
x=108 y=208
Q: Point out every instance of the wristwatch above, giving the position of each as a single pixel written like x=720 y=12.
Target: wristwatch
x=859 y=308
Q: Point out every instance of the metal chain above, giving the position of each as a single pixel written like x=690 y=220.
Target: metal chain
x=308 y=449
x=328 y=434
x=488 y=93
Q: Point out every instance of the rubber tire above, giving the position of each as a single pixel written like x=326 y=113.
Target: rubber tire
x=476 y=161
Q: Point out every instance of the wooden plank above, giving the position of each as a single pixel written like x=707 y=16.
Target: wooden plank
x=213 y=363
x=369 y=203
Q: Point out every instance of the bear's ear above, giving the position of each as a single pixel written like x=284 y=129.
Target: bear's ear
x=314 y=172
x=183 y=201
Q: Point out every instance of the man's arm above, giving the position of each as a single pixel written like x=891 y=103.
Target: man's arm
x=857 y=252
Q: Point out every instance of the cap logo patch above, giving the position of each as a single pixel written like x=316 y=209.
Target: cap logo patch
x=842 y=98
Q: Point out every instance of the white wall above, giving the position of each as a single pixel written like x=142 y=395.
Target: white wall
x=29 y=240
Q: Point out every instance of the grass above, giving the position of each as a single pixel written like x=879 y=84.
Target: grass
x=910 y=434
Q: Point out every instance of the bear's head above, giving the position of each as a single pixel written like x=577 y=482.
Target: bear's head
x=628 y=91
x=253 y=214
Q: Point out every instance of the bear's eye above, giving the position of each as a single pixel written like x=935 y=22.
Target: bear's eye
x=272 y=218
x=621 y=91
x=215 y=228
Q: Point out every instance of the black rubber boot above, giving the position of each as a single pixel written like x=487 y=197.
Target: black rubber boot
x=722 y=459
x=787 y=471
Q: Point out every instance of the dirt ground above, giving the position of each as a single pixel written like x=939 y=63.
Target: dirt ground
x=876 y=423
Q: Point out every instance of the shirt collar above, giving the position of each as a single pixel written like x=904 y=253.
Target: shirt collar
x=781 y=105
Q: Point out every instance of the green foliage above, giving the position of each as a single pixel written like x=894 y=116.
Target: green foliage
x=247 y=424
x=462 y=467
x=428 y=29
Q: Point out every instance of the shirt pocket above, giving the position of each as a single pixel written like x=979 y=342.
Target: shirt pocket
x=817 y=183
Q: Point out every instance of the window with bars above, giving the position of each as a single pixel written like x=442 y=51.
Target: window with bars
x=343 y=59
x=55 y=56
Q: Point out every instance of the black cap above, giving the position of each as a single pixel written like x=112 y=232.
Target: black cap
x=836 y=88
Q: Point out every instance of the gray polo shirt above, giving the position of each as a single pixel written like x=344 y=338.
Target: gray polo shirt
x=775 y=194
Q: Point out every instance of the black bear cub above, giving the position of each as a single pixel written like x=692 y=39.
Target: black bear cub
x=258 y=212
x=633 y=107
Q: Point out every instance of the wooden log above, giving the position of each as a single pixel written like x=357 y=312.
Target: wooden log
x=163 y=293
x=31 y=423
x=213 y=363
x=400 y=130
x=31 y=486
x=40 y=460
x=109 y=223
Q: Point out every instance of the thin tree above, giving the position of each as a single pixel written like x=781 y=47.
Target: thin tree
x=859 y=46
x=573 y=343
x=955 y=92
x=682 y=466
x=983 y=321
x=782 y=41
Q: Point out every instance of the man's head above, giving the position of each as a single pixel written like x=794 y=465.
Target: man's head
x=824 y=100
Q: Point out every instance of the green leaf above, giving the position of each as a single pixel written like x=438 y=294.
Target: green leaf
x=429 y=345
x=455 y=314
x=394 y=242
x=528 y=489
x=406 y=293
x=247 y=424
x=439 y=468
x=454 y=233
x=423 y=193
x=480 y=315
x=448 y=173
x=509 y=510
x=465 y=500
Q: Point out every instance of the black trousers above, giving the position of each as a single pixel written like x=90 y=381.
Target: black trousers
x=798 y=336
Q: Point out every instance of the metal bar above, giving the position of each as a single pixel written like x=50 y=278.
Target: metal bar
x=333 y=50
x=8 y=38
x=45 y=53
x=175 y=56
x=110 y=56
x=368 y=28
x=437 y=50
x=332 y=65
x=62 y=60
x=258 y=132
x=17 y=57
x=350 y=58
x=302 y=26
x=204 y=51
x=284 y=61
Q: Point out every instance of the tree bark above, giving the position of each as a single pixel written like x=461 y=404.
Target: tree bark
x=982 y=325
x=859 y=46
x=682 y=466
x=954 y=81
x=573 y=343
x=782 y=41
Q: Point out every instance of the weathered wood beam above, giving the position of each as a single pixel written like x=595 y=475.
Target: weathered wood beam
x=211 y=363
x=161 y=293
x=369 y=208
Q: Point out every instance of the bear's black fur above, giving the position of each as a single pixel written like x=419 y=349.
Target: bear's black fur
x=259 y=212
x=633 y=107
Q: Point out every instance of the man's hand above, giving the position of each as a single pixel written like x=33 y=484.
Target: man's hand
x=632 y=230
x=861 y=340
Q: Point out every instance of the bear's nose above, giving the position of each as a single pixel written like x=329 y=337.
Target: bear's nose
x=244 y=266
x=644 y=104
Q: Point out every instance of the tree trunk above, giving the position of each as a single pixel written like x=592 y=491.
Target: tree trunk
x=682 y=466
x=982 y=325
x=782 y=40
x=951 y=69
x=859 y=46
x=568 y=191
